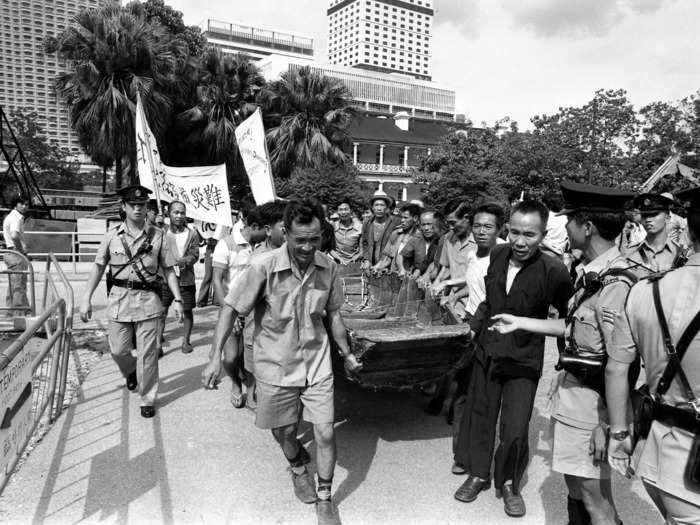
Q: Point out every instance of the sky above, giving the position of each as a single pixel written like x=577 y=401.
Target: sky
x=520 y=58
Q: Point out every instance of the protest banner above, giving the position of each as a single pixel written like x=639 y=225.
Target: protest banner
x=203 y=189
x=250 y=136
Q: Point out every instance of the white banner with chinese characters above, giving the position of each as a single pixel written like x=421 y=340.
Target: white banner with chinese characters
x=203 y=189
x=250 y=137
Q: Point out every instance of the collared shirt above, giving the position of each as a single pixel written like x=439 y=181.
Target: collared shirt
x=290 y=343
x=455 y=254
x=232 y=257
x=477 y=267
x=591 y=330
x=13 y=223
x=128 y=305
x=665 y=453
x=398 y=240
x=556 y=238
x=347 y=240
x=653 y=260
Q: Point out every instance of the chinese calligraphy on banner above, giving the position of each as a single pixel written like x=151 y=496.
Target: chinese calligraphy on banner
x=250 y=136
x=203 y=189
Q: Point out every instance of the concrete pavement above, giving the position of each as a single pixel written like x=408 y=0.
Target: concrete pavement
x=201 y=461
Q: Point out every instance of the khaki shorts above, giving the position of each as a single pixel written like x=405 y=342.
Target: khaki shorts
x=279 y=406
x=570 y=452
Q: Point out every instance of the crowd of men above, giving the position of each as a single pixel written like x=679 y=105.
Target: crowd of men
x=617 y=286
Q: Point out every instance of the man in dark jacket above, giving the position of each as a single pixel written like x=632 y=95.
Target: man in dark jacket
x=507 y=368
x=376 y=231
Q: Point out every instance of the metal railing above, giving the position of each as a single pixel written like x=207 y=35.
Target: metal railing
x=29 y=379
x=29 y=272
x=34 y=379
x=75 y=255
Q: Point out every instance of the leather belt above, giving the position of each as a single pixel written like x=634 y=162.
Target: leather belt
x=135 y=285
x=677 y=417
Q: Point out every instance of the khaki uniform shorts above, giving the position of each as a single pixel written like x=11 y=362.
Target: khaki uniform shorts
x=570 y=452
x=279 y=406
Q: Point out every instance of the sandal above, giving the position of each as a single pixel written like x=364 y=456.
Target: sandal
x=238 y=399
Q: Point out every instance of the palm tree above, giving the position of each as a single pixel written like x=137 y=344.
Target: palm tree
x=116 y=53
x=308 y=115
x=223 y=96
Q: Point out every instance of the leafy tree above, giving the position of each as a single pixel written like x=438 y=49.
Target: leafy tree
x=307 y=115
x=48 y=161
x=115 y=53
x=156 y=11
x=225 y=92
x=330 y=184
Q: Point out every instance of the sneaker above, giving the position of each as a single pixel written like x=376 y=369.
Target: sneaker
x=327 y=512
x=304 y=486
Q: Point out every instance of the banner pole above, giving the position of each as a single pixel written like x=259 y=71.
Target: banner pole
x=147 y=129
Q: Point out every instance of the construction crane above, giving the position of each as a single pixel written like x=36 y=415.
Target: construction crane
x=18 y=169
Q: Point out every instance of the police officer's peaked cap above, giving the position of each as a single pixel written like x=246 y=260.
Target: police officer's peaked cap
x=595 y=199
x=135 y=193
x=691 y=198
x=653 y=202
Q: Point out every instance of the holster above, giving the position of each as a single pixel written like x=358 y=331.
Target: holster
x=588 y=369
x=643 y=413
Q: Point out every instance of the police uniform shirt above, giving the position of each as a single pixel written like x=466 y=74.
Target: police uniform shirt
x=128 y=305
x=651 y=260
x=591 y=328
x=665 y=454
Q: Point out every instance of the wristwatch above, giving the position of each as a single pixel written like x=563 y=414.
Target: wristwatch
x=619 y=436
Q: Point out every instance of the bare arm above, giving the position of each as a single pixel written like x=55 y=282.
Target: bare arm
x=218 y=280
x=224 y=325
x=506 y=323
x=340 y=336
x=92 y=282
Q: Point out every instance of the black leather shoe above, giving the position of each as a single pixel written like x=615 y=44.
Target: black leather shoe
x=131 y=381
x=148 y=411
x=513 y=503
x=470 y=489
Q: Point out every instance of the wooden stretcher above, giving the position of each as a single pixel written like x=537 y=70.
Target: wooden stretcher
x=402 y=337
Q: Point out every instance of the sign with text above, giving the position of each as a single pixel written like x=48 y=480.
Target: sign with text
x=250 y=136
x=15 y=408
x=203 y=189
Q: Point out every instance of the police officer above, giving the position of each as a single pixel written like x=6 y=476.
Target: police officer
x=134 y=252
x=603 y=280
x=668 y=463
x=657 y=252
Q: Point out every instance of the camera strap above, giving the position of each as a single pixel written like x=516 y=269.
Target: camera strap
x=675 y=352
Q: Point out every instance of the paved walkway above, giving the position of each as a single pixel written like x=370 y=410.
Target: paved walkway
x=201 y=461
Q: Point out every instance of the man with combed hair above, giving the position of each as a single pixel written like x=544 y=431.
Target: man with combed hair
x=507 y=368
x=290 y=289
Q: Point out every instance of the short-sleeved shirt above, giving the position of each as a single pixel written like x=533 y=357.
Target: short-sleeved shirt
x=665 y=453
x=184 y=245
x=591 y=328
x=13 y=223
x=455 y=254
x=129 y=305
x=652 y=260
x=556 y=238
x=347 y=240
x=232 y=257
x=397 y=242
x=290 y=343
x=476 y=272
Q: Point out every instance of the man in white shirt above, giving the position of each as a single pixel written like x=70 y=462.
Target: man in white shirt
x=230 y=258
x=556 y=239
x=13 y=232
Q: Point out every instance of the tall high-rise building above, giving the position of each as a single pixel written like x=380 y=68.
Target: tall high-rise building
x=27 y=74
x=389 y=36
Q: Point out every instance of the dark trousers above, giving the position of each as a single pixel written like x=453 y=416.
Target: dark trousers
x=487 y=394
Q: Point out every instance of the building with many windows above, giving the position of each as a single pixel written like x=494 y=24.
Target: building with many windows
x=27 y=74
x=257 y=42
x=390 y=36
x=375 y=92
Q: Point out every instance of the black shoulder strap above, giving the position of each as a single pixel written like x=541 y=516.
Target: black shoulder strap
x=132 y=258
x=675 y=352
